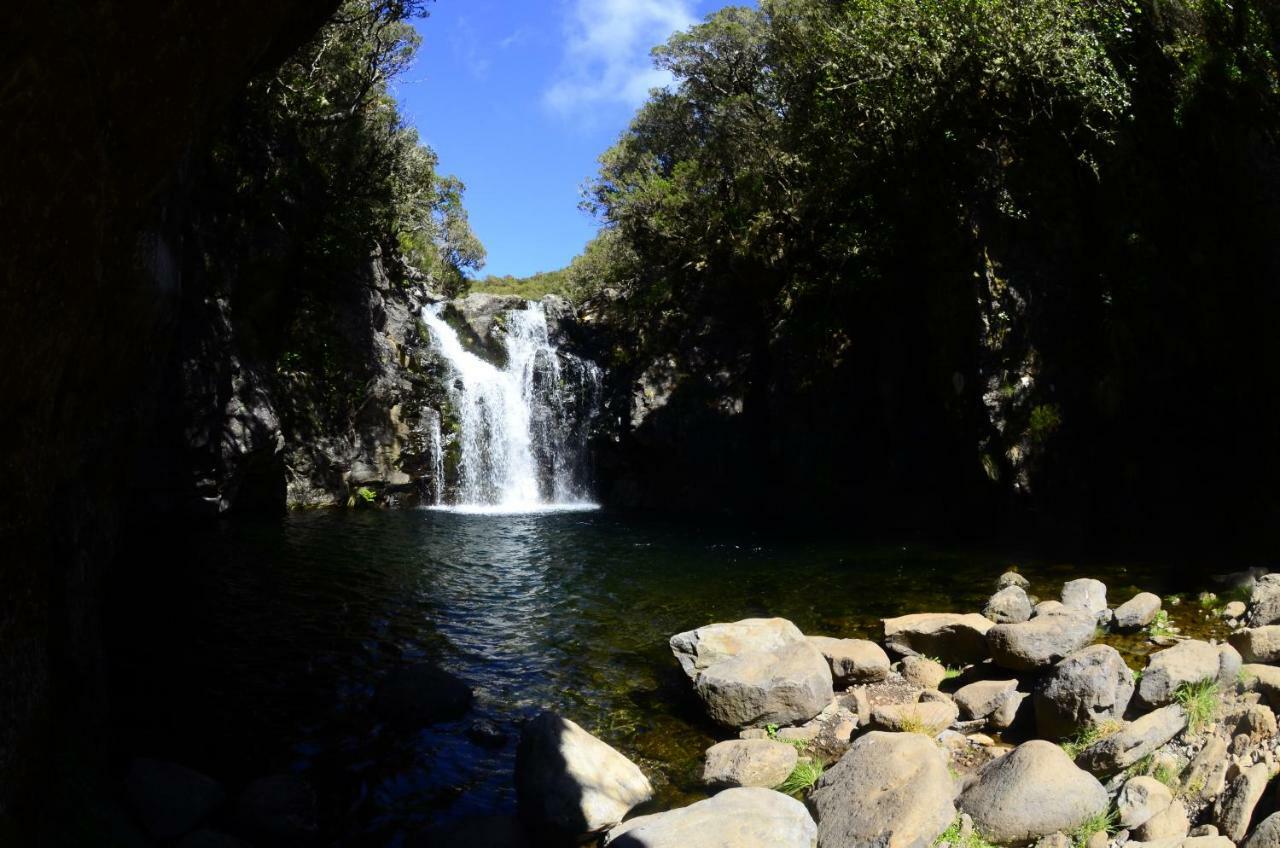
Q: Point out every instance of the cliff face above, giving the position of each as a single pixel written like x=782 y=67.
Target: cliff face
x=102 y=105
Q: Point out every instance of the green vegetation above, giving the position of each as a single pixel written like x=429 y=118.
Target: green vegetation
x=1089 y=735
x=534 y=287
x=802 y=777
x=955 y=837
x=1201 y=701
x=1164 y=771
x=1102 y=822
x=1161 y=626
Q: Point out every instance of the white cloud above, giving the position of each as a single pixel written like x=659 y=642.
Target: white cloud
x=607 y=53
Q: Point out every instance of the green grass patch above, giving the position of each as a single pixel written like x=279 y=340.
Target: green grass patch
x=956 y=838
x=1161 y=625
x=802 y=777
x=1200 y=700
x=1088 y=736
x=1103 y=822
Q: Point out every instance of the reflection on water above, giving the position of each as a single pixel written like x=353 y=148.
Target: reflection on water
x=258 y=648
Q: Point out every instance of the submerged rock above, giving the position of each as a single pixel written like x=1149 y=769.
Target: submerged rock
x=789 y=685
x=699 y=649
x=1137 y=612
x=1089 y=686
x=748 y=762
x=1031 y=792
x=171 y=799
x=741 y=818
x=1187 y=662
x=422 y=694
x=1041 y=641
x=891 y=790
x=571 y=785
x=853 y=661
x=955 y=638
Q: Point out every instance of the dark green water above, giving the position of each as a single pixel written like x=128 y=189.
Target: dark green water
x=258 y=648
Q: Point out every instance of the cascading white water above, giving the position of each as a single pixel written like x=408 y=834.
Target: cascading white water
x=521 y=429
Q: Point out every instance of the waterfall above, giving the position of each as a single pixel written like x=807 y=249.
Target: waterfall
x=521 y=429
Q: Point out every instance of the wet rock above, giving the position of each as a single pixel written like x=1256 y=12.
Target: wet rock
x=1169 y=823
x=475 y=832
x=748 y=762
x=278 y=809
x=923 y=672
x=699 y=649
x=569 y=784
x=1134 y=741
x=1012 y=578
x=789 y=685
x=1191 y=661
x=852 y=661
x=1008 y=606
x=1266 y=834
x=1137 y=612
x=981 y=699
x=171 y=799
x=1264 y=602
x=1089 y=686
x=1041 y=641
x=1031 y=792
x=742 y=818
x=930 y=718
x=1235 y=807
x=891 y=790
x=1141 y=798
x=1086 y=594
x=955 y=638
x=486 y=734
x=1257 y=644
x=421 y=695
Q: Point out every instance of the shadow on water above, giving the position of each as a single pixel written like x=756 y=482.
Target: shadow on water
x=259 y=648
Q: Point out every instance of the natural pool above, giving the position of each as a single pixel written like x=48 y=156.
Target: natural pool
x=258 y=647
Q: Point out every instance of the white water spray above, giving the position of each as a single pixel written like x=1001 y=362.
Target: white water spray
x=521 y=429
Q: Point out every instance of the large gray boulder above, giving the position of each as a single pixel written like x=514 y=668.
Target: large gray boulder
x=1008 y=606
x=1134 y=741
x=954 y=638
x=1012 y=578
x=1257 y=644
x=1140 y=799
x=1191 y=661
x=1235 y=807
x=853 y=661
x=1170 y=823
x=699 y=649
x=171 y=799
x=478 y=320
x=736 y=818
x=1086 y=594
x=748 y=762
x=1263 y=679
x=1137 y=612
x=982 y=698
x=1087 y=687
x=571 y=785
x=1266 y=834
x=1042 y=641
x=923 y=672
x=890 y=790
x=788 y=685
x=1264 y=602
x=1031 y=792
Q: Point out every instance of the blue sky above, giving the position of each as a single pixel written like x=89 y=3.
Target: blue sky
x=520 y=97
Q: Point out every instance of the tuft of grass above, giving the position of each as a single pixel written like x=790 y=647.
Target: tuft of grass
x=1089 y=735
x=1207 y=600
x=1102 y=822
x=1161 y=625
x=953 y=672
x=1167 y=773
x=1201 y=701
x=957 y=838
x=802 y=777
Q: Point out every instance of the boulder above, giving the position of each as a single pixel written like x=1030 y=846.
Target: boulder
x=1191 y=661
x=890 y=790
x=981 y=699
x=1086 y=594
x=1137 y=612
x=171 y=799
x=1012 y=578
x=742 y=818
x=697 y=650
x=1141 y=798
x=1264 y=602
x=1089 y=686
x=1256 y=721
x=1263 y=679
x=422 y=694
x=1257 y=644
x=852 y=661
x=931 y=717
x=1016 y=710
x=1010 y=605
x=1031 y=792
x=1206 y=775
x=954 y=638
x=788 y=685
x=279 y=808
x=1266 y=834
x=569 y=784
x=1134 y=741
x=1234 y=609
x=1235 y=807
x=923 y=672
x=1047 y=608
x=1041 y=641
x=748 y=762
x=1169 y=823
